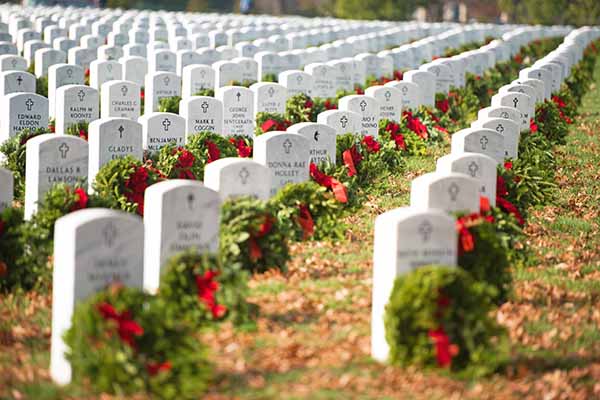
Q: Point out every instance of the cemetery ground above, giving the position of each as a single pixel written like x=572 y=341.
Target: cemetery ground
x=311 y=339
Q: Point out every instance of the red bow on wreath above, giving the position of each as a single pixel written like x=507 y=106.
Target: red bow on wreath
x=338 y=188
x=127 y=328
x=255 y=250
x=207 y=287
x=305 y=220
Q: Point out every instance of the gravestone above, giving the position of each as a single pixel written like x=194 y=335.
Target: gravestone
x=448 y=191
x=161 y=129
x=238 y=110
x=475 y=165
x=269 y=97
x=162 y=60
x=22 y=110
x=186 y=57
x=323 y=77
x=410 y=94
x=75 y=104
x=341 y=121
x=322 y=139
x=16 y=82
x=107 y=52
x=44 y=58
x=81 y=56
x=227 y=73
x=52 y=159
x=426 y=82
x=92 y=248
x=269 y=63
x=501 y=112
x=202 y=114
x=158 y=86
x=179 y=215
x=120 y=99
x=343 y=74
x=507 y=128
x=296 y=82
x=536 y=84
x=135 y=69
x=517 y=100
x=479 y=140
x=390 y=101
x=539 y=73
x=236 y=177
x=110 y=139
x=196 y=78
x=61 y=75
x=135 y=50
x=104 y=71
x=443 y=76
x=286 y=155
x=248 y=69
x=9 y=62
x=66 y=44
x=208 y=56
x=368 y=109
x=7 y=189
x=406 y=239
x=7 y=48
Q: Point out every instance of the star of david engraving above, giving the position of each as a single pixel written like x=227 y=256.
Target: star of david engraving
x=109 y=233
x=244 y=175
x=63 y=149
x=473 y=168
x=484 y=142
x=453 y=191
x=425 y=230
x=287 y=146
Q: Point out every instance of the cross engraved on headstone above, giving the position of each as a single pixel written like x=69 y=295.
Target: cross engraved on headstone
x=81 y=95
x=110 y=234
x=238 y=95
x=404 y=90
x=363 y=105
x=515 y=102
x=64 y=149
x=244 y=175
x=484 y=141
x=69 y=73
x=204 y=107
x=190 y=200
x=316 y=136
x=202 y=74
x=20 y=79
x=387 y=95
x=287 y=146
x=14 y=62
x=344 y=121
x=453 y=191
x=299 y=79
x=124 y=90
x=473 y=168
x=29 y=104
x=271 y=91
x=425 y=229
x=500 y=128
x=121 y=129
x=166 y=124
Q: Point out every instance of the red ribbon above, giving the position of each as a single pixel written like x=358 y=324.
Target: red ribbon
x=372 y=145
x=154 y=368
x=81 y=200
x=351 y=159
x=207 y=287
x=255 y=252
x=268 y=125
x=444 y=350
x=127 y=328
x=533 y=126
x=306 y=222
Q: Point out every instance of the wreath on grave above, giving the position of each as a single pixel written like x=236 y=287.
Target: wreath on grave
x=566 y=104
x=137 y=347
x=463 y=106
x=308 y=211
x=41 y=86
x=269 y=78
x=300 y=108
x=251 y=236
x=169 y=104
x=427 y=125
x=199 y=289
x=14 y=151
x=177 y=162
x=439 y=316
x=37 y=234
x=242 y=144
x=205 y=92
x=80 y=129
x=10 y=250
x=404 y=139
x=123 y=181
x=482 y=250
x=267 y=122
x=551 y=123
x=245 y=83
